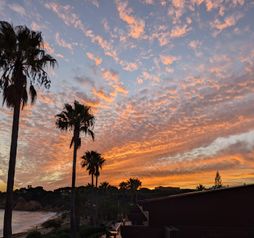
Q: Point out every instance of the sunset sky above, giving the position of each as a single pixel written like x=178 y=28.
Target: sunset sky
x=171 y=84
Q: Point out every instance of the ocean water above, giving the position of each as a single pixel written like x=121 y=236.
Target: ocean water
x=23 y=221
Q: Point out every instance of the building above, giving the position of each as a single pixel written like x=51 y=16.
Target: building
x=225 y=212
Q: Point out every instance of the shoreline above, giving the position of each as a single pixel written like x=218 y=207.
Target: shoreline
x=37 y=226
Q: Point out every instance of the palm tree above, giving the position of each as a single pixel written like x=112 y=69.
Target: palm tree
x=104 y=186
x=88 y=163
x=133 y=184
x=93 y=162
x=98 y=166
x=22 y=62
x=123 y=186
x=78 y=119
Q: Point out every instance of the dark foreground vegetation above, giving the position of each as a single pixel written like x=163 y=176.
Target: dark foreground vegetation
x=84 y=231
x=97 y=208
x=107 y=201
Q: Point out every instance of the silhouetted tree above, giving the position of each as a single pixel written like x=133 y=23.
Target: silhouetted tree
x=98 y=166
x=88 y=163
x=104 y=186
x=201 y=187
x=123 y=186
x=218 y=181
x=134 y=184
x=78 y=119
x=22 y=64
x=93 y=161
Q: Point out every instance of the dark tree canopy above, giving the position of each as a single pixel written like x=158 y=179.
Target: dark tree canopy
x=77 y=117
x=23 y=61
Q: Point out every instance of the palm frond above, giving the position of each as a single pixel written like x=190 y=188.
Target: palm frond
x=72 y=141
x=33 y=94
x=22 y=55
x=24 y=97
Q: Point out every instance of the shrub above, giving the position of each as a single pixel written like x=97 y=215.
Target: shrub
x=34 y=234
x=53 y=223
x=92 y=232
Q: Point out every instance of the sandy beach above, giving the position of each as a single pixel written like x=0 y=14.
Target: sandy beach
x=24 y=221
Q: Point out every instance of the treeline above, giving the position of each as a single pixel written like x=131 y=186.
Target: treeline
x=111 y=201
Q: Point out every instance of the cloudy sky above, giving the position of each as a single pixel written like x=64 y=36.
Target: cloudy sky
x=170 y=83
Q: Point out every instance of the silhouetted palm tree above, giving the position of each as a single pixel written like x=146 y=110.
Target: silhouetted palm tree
x=104 y=186
x=22 y=64
x=88 y=163
x=133 y=184
x=93 y=162
x=123 y=186
x=98 y=166
x=78 y=119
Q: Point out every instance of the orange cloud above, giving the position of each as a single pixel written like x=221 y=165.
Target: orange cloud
x=179 y=31
x=102 y=95
x=95 y=59
x=228 y=22
x=110 y=75
x=137 y=26
x=167 y=59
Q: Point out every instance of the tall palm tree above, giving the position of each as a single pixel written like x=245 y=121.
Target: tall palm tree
x=22 y=63
x=77 y=119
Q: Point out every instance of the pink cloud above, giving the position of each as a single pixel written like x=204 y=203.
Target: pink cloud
x=148 y=2
x=61 y=42
x=49 y=48
x=110 y=75
x=194 y=44
x=167 y=59
x=147 y=76
x=95 y=59
x=69 y=18
x=228 y=22
x=179 y=31
x=37 y=26
x=129 y=66
x=18 y=9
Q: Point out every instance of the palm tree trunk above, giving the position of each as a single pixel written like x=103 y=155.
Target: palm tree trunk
x=92 y=180
x=96 y=181
x=11 y=173
x=73 y=187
